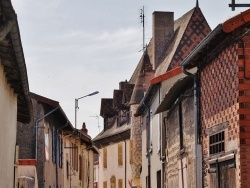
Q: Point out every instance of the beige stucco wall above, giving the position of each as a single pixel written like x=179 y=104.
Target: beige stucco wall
x=50 y=166
x=88 y=171
x=8 y=122
x=112 y=165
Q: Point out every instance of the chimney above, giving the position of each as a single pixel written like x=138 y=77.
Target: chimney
x=163 y=31
x=84 y=129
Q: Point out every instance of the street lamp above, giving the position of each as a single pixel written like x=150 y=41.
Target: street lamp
x=76 y=104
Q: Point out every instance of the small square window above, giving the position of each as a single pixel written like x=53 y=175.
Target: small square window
x=217 y=143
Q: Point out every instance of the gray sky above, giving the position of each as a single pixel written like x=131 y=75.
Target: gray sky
x=73 y=48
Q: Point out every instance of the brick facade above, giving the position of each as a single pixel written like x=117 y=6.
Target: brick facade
x=224 y=97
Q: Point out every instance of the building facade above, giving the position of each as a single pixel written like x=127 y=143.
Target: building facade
x=114 y=144
x=163 y=147
x=14 y=93
x=61 y=155
x=223 y=76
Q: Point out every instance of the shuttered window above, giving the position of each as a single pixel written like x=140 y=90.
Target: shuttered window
x=105 y=158
x=60 y=152
x=119 y=183
x=53 y=145
x=74 y=156
x=113 y=181
x=105 y=184
x=120 y=161
x=80 y=167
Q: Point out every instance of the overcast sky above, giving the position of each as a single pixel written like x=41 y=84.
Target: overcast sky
x=73 y=48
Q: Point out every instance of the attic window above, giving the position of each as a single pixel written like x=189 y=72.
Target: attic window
x=217 y=143
x=240 y=45
x=241 y=56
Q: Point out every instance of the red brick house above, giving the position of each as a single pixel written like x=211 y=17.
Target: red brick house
x=222 y=59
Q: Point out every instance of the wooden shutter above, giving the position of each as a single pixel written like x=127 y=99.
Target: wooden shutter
x=105 y=158
x=67 y=168
x=120 y=161
x=105 y=184
x=80 y=167
x=53 y=145
x=120 y=183
x=113 y=182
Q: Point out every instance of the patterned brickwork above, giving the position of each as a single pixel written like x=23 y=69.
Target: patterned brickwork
x=244 y=110
x=196 y=30
x=136 y=162
x=219 y=104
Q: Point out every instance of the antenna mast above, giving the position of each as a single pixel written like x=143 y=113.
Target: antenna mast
x=142 y=16
x=97 y=117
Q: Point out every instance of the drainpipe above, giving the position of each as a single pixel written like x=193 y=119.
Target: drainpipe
x=57 y=150
x=197 y=165
x=164 y=155
x=148 y=147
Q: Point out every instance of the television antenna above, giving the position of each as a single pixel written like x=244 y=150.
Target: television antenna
x=97 y=117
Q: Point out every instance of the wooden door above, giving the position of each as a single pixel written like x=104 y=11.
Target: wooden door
x=222 y=175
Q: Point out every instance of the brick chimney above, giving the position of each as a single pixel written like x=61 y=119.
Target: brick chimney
x=84 y=129
x=163 y=31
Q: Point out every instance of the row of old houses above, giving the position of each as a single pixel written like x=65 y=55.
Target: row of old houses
x=182 y=119
x=39 y=146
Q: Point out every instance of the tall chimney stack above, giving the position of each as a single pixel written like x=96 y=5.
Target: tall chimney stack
x=163 y=31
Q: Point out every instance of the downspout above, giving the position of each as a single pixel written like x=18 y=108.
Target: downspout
x=197 y=165
x=125 y=167
x=57 y=150
x=162 y=144
x=148 y=147
x=163 y=158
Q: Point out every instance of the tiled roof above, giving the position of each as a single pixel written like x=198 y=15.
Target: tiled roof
x=189 y=30
x=113 y=131
x=14 y=63
x=144 y=74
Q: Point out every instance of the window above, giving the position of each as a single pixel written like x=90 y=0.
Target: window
x=113 y=181
x=80 y=168
x=74 y=156
x=105 y=184
x=120 y=154
x=60 y=146
x=159 y=133
x=53 y=145
x=128 y=117
x=105 y=158
x=217 y=143
x=119 y=183
x=67 y=168
x=46 y=146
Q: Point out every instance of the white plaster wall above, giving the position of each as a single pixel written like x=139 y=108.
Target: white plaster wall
x=155 y=155
x=144 y=172
x=8 y=123
x=112 y=165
